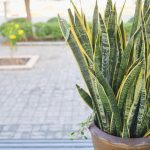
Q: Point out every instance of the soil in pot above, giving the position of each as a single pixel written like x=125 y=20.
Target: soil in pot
x=13 y=61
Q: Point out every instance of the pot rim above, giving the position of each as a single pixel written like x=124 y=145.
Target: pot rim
x=133 y=142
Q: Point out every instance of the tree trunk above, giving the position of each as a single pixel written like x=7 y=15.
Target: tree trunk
x=5 y=10
x=28 y=11
x=29 y=17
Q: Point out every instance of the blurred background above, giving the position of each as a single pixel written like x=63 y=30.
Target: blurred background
x=42 y=14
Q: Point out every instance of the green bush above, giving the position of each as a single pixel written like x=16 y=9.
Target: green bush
x=41 y=29
x=23 y=23
x=49 y=30
x=128 y=26
x=52 y=20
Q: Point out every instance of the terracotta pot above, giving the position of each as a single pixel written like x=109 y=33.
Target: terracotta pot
x=104 y=141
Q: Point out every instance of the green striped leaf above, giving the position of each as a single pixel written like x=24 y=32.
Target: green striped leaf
x=123 y=35
x=95 y=26
x=100 y=106
x=129 y=99
x=82 y=65
x=121 y=12
x=98 y=55
x=126 y=58
x=120 y=53
x=135 y=102
x=85 y=96
x=147 y=134
x=80 y=34
x=127 y=84
x=145 y=123
x=146 y=6
x=105 y=46
x=136 y=17
x=142 y=107
x=143 y=97
x=109 y=105
x=108 y=11
x=112 y=27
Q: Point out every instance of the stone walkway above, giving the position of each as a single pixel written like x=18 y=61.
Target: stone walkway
x=41 y=103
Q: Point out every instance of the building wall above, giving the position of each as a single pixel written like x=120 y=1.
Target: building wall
x=49 y=8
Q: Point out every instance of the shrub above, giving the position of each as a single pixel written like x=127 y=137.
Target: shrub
x=23 y=23
x=49 y=30
x=128 y=26
x=52 y=20
x=42 y=29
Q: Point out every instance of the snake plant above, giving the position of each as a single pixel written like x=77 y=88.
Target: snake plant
x=115 y=68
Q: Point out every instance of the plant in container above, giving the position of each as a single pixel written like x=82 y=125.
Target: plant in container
x=116 y=70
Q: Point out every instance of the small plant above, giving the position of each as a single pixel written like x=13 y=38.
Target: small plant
x=115 y=69
x=14 y=34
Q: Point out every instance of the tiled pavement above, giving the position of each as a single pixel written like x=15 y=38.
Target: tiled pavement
x=41 y=103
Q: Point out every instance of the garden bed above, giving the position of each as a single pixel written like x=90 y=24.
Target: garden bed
x=18 y=62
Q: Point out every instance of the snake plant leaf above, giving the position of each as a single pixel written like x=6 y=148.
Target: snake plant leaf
x=136 y=17
x=80 y=34
x=126 y=132
x=143 y=97
x=136 y=100
x=145 y=123
x=121 y=12
x=110 y=94
x=147 y=15
x=75 y=9
x=100 y=106
x=82 y=18
x=120 y=53
x=108 y=11
x=128 y=104
x=123 y=35
x=105 y=46
x=95 y=25
x=77 y=53
x=86 y=24
x=138 y=47
x=147 y=134
x=83 y=67
x=112 y=29
x=146 y=6
x=98 y=55
x=85 y=96
x=146 y=45
x=127 y=84
x=126 y=58
x=109 y=105
x=143 y=105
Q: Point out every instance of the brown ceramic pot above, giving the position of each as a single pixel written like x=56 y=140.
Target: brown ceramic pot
x=104 y=141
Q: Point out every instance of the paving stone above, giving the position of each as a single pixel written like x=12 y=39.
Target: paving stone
x=42 y=102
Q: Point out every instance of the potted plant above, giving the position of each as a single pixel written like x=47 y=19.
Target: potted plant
x=116 y=70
